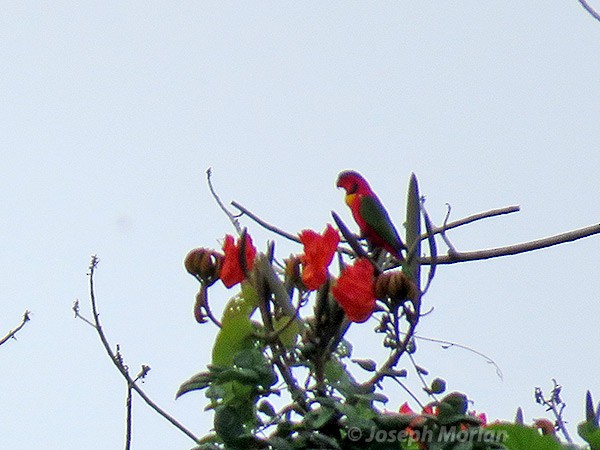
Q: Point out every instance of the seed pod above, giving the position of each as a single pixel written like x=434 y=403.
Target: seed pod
x=204 y=264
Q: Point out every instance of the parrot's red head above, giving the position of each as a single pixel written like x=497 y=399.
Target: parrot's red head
x=353 y=183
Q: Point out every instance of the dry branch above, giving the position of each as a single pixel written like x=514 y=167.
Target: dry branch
x=117 y=360
x=11 y=334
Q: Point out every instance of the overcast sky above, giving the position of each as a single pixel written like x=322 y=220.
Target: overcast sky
x=112 y=112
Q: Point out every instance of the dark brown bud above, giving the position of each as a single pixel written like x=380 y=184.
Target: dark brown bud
x=292 y=270
x=204 y=264
x=545 y=426
x=395 y=285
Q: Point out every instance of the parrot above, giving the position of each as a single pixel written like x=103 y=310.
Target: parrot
x=370 y=215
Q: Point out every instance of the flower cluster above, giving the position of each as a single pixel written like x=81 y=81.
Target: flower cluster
x=354 y=289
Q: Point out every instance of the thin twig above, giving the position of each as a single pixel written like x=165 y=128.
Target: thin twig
x=408 y=391
x=447 y=344
x=231 y=217
x=473 y=218
x=516 y=248
x=128 y=419
x=79 y=316
x=396 y=353
x=590 y=10
x=120 y=366
x=11 y=334
x=265 y=225
x=451 y=248
x=419 y=372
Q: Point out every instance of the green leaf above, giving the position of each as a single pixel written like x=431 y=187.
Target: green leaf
x=237 y=327
x=393 y=421
x=278 y=443
x=339 y=378
x=199 y=381
x=413 y=231
x=372 y=397
x=318 y=440
x=519 y=437
x=241 y=375
x=455 y=403
x=227 y=424
x=316 y=418
x=590 y=433
x=255 y=360
x=266 y=408
x=289 y=335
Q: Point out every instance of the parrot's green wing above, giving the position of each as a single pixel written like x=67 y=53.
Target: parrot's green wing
x=375 y=215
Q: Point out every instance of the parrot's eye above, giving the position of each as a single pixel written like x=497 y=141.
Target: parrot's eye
x=353 y=188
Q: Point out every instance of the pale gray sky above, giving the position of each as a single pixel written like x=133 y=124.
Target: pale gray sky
x=111 y=113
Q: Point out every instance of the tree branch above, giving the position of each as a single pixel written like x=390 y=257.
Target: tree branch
x=230 y=216
x=463 y=256
x=262 y=223
x=118 y=362
x=516 y=248
x=11 y=334
x=473 y=218
x=590 y=10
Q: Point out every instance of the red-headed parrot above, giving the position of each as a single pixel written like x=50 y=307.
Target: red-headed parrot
x=370 y=215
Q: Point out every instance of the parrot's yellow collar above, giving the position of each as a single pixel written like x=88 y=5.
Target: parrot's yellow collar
x=350 y=199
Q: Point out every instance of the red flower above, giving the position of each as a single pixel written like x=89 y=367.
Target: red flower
x=405 y=409
x=318 y=253
x=480 y=416
x=431 y=410
x=355 y=290
x=231 y=270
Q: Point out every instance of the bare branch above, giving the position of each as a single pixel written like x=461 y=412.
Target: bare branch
x=231 y=217
x=128 y=418
x=590 y=10
x=117 y=360
x=473 y=218
x=463 y=256
x=11 y=334
x=262 y=223
x=515 y=249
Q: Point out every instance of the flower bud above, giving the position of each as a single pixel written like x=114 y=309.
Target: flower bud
x=292 y=270
x=545 y=426
x=396 y=286
x=204 y=264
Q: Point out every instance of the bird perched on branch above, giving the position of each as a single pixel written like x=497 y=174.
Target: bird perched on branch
x=370 y=215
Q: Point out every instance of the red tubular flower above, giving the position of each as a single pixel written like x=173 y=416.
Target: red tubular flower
x=405 y=409
x=232 y=272
x=355 y=290
x=318 y=254
x=431 y=410
x=480 y=416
